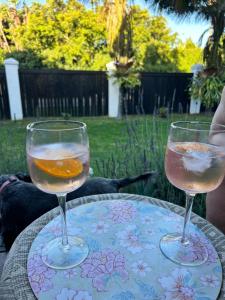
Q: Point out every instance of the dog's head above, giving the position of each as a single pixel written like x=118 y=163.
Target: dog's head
x=18 y=176
x=3 y=179
x=23 y=177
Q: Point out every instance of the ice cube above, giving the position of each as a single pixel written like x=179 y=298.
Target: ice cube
x=197 y=162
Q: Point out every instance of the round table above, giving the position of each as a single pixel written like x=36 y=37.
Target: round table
x=14 y=281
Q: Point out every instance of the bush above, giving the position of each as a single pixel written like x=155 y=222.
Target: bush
x=163 y=112
x=208 y=89
x=27 y=59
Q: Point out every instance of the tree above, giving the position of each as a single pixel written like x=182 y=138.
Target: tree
x=157 y=48
x=68 y=35
x=63 y=35
x=211 y=10
x=188 y=54
x=156 y=42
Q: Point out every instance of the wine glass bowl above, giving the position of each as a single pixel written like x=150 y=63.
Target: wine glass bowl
x=194 y=163
x=194 y=167
x=58 y=167
x=58 y=163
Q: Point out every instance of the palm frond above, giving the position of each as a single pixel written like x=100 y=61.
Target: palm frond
x=202 y=35
x=211 y=10
x=179 y=9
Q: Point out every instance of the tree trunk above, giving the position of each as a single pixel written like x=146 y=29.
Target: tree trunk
x=5 y=42
x=212 y=51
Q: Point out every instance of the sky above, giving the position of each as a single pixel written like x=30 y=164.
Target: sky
x=188 y=28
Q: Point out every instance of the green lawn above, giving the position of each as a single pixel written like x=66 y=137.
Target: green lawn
x=104 y=134
x=119 y=148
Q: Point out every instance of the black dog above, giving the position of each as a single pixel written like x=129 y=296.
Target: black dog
x=22 y=203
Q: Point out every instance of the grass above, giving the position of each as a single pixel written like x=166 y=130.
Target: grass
x=104 y=134
x=119 y=148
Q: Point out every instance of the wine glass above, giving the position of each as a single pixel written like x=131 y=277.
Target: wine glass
x=194 y=163
x=58 y=162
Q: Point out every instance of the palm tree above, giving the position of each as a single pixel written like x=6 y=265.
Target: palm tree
x=210 y=10
x=119 y=32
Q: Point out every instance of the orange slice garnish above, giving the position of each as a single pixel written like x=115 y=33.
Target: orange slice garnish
x=63 y=168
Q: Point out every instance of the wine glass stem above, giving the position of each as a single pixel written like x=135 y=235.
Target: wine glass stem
x=188 y=209
x=62 y=207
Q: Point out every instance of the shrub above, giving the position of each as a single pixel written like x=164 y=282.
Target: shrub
x=208 y=89
x=163 y=112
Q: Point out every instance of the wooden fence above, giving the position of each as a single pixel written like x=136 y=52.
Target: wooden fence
x=4 y=100
x=54 y=93
x=46 y=93
x=157 y=90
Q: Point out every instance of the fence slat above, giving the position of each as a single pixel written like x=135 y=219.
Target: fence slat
x=4 y=99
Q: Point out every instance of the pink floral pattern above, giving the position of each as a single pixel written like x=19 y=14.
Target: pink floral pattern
x=124 y=260
x=212 y=255
x=141 y=268
x=199 y=246
x=133 y=241
x=210 y=280
x=39 y=274
x=176 y=286
x=101 y=265
x=121 y=211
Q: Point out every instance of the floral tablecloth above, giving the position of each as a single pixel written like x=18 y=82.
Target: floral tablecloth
x=124 y=261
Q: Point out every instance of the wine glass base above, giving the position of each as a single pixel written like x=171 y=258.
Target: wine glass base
x=57 y=256
x=185 y=254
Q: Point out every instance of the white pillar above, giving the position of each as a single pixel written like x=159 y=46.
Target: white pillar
x=113 y=91
x=13 y=85
x=195 y=103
